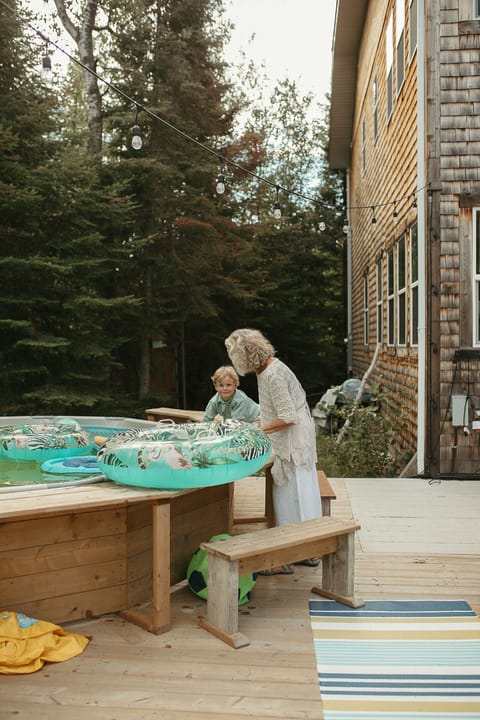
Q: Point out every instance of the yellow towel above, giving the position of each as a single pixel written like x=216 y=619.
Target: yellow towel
x=26 y=643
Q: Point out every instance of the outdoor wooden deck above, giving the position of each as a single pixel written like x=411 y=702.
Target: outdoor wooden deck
x=129 y=674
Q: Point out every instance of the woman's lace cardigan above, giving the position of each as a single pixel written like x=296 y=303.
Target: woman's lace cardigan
x=281 y=395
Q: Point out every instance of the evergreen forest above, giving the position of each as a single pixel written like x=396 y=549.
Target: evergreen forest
x=122 y=270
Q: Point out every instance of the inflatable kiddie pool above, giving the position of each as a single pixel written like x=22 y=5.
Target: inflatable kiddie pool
x=181 y=456
x=75 y=465
x=41 y=441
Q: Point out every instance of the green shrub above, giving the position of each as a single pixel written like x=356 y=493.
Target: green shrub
x=366 y=447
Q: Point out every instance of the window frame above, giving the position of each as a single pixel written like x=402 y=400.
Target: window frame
x=414 y=284
x=399 y=44
x=391 y=297
x=413 y=28
x=401 y=294
x=375 y=108
x=379 y=302
x=366 y=314
x=389 y=66
x=364 y=145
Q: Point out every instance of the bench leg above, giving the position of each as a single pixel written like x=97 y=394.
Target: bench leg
x=222 y=602
x=338 y=570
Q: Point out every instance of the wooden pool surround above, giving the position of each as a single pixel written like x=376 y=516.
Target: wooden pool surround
x=82 y=551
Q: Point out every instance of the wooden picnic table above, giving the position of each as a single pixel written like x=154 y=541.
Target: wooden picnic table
x=175 y=414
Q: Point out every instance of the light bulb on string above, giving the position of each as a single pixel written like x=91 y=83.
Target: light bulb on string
x=137 y=140
x=46 y=65
x=414 y=201
x=345 y=226
x=322 y=224
x=220 y=184
x=374 y=219
x=395 y=213
x=277 y=209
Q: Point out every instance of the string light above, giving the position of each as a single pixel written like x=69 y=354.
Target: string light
x=46 y=65
x=322 y=225
x=220 y=186
x=345 y=226
x=395 y=213
x=137 y=140
x=277 y=210
x=374 y=219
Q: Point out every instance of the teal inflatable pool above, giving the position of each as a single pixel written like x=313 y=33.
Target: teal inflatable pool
x=76 y=465
x=44 y=441
x=190 y=455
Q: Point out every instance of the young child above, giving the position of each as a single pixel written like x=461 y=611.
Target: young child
x=228 y=401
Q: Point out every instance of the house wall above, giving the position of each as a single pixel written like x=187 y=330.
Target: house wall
x=388 y=175
x=458 y=132
x=383 y=178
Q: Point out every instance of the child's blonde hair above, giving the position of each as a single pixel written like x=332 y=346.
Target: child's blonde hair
x=225 y=371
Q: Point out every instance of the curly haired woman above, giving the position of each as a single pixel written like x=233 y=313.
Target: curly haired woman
x=285 y=416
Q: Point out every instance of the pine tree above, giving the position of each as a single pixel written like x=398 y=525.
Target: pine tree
x=62 y=219
x=189 y=252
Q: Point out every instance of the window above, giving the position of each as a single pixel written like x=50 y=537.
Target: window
x=375 y=107
x=364 y=145
x=389 y=66
x=400 y=42
x=401 y=292
x=414 y=284
x=412 y=28
x=476 y=276
x=379 y=302
x=391 y=297
x=365 y=309
x=476 y=8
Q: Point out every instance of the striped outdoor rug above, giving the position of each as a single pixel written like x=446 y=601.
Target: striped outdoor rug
x=414 y=660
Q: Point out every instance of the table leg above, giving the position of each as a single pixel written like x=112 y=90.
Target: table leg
x=161 y=567
x=156 y=619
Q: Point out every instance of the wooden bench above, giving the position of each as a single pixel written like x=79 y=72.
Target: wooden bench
x=327 y=494
x=326 y=537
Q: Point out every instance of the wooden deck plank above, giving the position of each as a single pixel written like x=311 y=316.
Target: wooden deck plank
x=186 y=673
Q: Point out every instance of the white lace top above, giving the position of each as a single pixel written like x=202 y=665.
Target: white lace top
x=281 y=395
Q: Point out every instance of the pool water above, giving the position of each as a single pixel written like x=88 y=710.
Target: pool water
x=14 y=473
x=30 y=473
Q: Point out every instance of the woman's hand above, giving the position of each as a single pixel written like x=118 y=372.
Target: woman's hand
x=275 y=426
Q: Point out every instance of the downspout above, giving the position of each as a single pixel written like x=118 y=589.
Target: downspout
x=421 y=220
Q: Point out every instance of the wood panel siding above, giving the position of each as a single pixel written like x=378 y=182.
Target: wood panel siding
x=383 y=177
x=390 y=175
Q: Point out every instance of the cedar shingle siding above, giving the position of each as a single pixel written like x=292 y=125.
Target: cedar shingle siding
x=415 y=168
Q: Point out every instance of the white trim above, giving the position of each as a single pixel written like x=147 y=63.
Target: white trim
x=421 y=229
x=475 y=280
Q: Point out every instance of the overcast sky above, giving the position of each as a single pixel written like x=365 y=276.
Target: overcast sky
x=292 y=37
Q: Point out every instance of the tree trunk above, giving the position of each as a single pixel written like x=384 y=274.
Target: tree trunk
x=83 y=38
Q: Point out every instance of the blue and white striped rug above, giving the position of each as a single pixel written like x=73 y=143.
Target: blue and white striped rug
x=392 y=660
